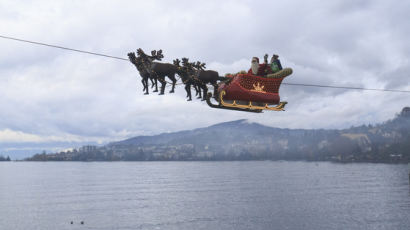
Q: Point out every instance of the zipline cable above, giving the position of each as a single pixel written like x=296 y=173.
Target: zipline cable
x=62 y=47
x=346 y=87
x=125 y=59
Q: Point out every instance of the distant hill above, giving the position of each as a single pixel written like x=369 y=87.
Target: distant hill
x=243 y=140
x=2 y=158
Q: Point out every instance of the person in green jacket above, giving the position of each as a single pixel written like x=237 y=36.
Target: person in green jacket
x=275 y=64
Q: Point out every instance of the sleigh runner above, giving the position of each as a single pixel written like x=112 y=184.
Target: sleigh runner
x=250 y=93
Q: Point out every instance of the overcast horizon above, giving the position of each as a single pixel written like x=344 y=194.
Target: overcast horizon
x=51 y=95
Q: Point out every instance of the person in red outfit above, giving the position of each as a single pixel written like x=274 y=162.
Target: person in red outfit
x=259 y=69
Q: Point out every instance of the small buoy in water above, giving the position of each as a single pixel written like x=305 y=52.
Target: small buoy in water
x=71 y=222
x=82 y=222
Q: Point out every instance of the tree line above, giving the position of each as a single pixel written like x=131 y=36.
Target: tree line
x=3 y=158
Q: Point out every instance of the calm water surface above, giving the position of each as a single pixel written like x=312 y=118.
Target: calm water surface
x=203 y=195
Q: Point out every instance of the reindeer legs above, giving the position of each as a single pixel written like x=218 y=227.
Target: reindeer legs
x=156 y=85
x=215 y=90
x=145 y=85
x=174 y=81
x=163 y=83
x=199 y=92
x=152 y=83
x=205 y=92
x=188 y=91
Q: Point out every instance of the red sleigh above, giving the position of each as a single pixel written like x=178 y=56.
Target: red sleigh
x=250 y=93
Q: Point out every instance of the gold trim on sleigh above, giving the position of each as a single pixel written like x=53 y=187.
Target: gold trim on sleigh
x=258 y=88
x=280 y=107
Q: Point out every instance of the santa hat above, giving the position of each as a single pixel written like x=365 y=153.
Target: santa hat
x=255 y=58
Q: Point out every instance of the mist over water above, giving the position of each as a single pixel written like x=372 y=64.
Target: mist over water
x=203 y=195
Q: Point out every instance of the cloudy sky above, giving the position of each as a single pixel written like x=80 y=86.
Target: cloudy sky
x=54 y=96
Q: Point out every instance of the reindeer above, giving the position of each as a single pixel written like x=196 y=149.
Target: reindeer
x=158 y=70
x=184 y=72
x=143 y=73
x=204 y=77
x=191 y=71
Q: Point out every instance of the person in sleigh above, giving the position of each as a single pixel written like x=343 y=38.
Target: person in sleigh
x=275 y=64
x=260 y=69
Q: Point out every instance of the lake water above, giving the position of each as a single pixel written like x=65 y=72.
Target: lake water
x=203 y=195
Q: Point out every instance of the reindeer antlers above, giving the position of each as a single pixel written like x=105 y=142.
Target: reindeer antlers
x=198 y=65
x=157 y=54
x=185 y=61
x=177 y=62
x=132 y=57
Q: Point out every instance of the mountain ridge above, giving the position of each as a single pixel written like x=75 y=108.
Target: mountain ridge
x=244 y=140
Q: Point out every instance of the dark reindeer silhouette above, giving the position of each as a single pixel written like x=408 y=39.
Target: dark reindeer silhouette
x=191 y=71
x=184 y=72
x=158 y=70
x=203 y=77
x=142 y=71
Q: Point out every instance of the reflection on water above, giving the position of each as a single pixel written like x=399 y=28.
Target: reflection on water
x=203 y=195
